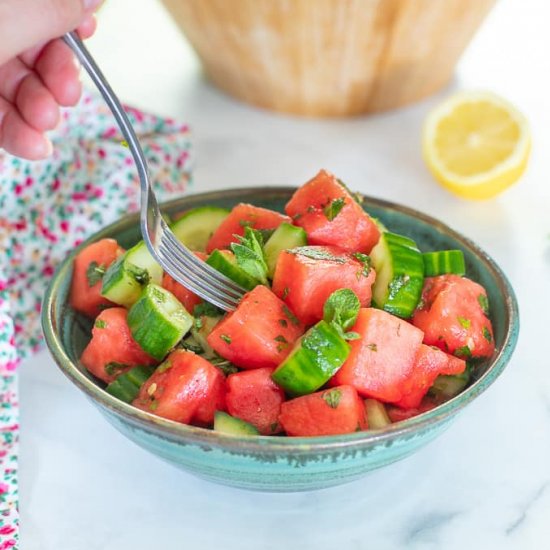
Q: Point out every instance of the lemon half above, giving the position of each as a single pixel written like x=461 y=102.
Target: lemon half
x=476 y=144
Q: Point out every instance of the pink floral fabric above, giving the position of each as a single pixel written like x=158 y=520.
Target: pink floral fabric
x=48 y=208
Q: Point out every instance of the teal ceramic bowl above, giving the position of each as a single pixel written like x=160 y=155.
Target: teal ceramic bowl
x=281 y=463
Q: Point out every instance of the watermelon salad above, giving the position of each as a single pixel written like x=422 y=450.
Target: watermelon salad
x=345 y=325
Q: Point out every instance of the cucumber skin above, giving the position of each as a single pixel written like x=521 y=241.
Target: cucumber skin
x=208 y=218
x=404 y=290
x=144 y=321
x=285 y=237
x=444 y=262
x=224 y=264
x=230 y=425
x=314 y=359
x=126 y=387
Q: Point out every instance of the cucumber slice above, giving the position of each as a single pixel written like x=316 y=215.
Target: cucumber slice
x=314 y=358
x=123 y=282
x=286 y=236
x=227 y=424
x=202 y=327
x=225 y=262
x=377 y=416
x=158 y=321
x=126 y=387
x=196 y=226
x=447 y=386
x=399 y=274
x=444 y=261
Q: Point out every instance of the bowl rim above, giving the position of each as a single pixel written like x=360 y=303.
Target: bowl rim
x=269 y=444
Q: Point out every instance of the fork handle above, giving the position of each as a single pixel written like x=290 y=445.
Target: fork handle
x=77 y=46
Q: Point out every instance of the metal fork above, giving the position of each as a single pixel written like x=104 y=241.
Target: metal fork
x=176 y=259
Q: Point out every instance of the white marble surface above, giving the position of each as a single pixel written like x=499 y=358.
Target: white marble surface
x=485 y=484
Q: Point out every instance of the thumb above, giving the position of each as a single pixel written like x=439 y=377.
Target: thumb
x=26 y=23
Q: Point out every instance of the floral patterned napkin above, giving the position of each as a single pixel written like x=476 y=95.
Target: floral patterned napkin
x=46 y=209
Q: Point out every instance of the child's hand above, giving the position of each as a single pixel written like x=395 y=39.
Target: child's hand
x=38 y=73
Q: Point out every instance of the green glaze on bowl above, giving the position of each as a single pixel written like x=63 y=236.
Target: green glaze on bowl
x=281 y=463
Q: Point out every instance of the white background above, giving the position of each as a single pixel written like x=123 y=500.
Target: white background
x=483 y=484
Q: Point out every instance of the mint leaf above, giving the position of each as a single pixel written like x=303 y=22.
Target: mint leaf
x=341 y=308
x=250 y=255
x=487 y=335
x=290 y=316
x=94 y=273
x=333 y=208
x=365 y=260
x=316 y=254
x=464 y=323
x=332 y=398
x=464 y=351
x=224 y=365
x=114 y=368
x=484 y=303
x=138 y=273
x=207 y=309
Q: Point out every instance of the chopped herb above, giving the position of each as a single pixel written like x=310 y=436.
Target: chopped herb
x=113 y=368
x=226 y=338
x=250 y=255
x=154 y=405
x=341 y=308
x=351 y=336
x=396 y=284
x=291 y=317
x=372 y=347
x=100 y=323
x=464 y=323
x=124 y=143
x=246 y=223
x=357 y=197
x=484 y=303
x=464 y=351
x=140 y=275
x=334 y=208
x=206 y=309
x=280 y=338
x=158 y=295
x=296 y=216
x=198 y=323
x=163 y=367
x=94 y=273
x=190 y=344
x=283 y=323
x=310 y=209
x=224 y=365
x=487 y=335
x=286 y=290
x=332 y=397
x=316 y=254
x=366 y=261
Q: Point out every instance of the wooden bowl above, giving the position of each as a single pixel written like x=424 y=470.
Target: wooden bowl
x=329 y=57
